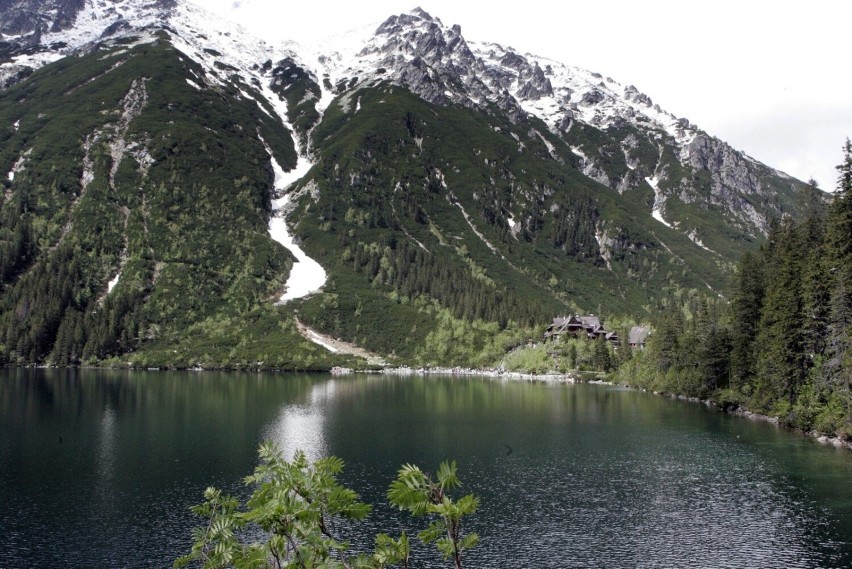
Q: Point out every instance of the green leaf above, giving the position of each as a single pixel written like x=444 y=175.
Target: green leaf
x=296 y=504
x=469 y=541
x=467 y=504
x=447 y=475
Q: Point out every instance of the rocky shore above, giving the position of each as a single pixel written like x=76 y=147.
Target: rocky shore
x=464 y=372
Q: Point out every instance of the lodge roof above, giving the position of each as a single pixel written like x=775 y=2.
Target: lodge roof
x=638 y=335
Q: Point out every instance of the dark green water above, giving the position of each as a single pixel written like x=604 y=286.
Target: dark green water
x=97 y=469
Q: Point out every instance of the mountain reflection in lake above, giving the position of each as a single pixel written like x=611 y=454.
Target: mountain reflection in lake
x=98 y=468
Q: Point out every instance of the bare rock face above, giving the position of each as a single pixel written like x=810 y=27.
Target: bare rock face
x=629 y=142
x=427 y=57
x=514 y=61
x=592 y=97
x=116 y=28
x=737 y=184
x=727 y=167
x=25 y=17
x=631 y=93
x=532 y=83
x=437 y=63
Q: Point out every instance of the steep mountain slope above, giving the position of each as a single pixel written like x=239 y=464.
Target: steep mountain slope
x=454 y=196
x=136 y=205
x=617 y=135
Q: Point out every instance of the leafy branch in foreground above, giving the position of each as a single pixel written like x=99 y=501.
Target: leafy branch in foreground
x=296 y=507
x=416 y=492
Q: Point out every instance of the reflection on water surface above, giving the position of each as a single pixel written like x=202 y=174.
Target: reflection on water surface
x=98 y=468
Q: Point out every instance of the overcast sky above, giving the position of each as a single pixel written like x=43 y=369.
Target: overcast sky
x=770 y=77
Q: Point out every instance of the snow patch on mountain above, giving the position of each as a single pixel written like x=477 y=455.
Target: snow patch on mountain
x=550 y=147
x=579 y=152
x=307 y=276
x=345 y=102
x=337 y=59
x=18 y=166
x=319 y=340
x=693 y=236
x=452 y=199
x=659 y=200
x=559 y=93
x=113 y=282
x=20 y=63
x=604 y=243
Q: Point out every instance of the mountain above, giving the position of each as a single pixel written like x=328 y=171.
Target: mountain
x=181 y=193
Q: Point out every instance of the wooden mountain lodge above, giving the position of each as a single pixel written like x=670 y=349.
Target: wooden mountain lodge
x=575 y=326
x=591 y=327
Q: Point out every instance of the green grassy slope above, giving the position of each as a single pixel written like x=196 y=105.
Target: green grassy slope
x=176 y=200
x=396 y=179
x=450 y=235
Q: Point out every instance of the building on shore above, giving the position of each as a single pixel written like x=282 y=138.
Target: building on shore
x=575 y=326
x=638 y=336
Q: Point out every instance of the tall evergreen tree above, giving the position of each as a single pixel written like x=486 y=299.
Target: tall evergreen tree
x=665 y=345
x=781 y=366
x=746 y=306
x=816 y=286
x=839 y=365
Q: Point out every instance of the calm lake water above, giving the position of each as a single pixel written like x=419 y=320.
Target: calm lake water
x=98 y=468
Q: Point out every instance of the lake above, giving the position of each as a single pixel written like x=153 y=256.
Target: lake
x=99 y=468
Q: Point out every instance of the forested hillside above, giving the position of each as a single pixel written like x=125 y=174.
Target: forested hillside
x=457 y=197
x=135 y=209
x=783 y=344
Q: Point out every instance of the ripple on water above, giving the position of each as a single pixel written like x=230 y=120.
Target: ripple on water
x=594 y=477
x=669 y=508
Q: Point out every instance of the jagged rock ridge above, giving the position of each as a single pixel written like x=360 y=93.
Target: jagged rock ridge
x=422 y=168
x=644 y=145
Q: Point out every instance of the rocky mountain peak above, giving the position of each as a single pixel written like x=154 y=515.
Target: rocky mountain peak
x=419 y=35
x=413 y=18
x=423 y=54
x=653 y=149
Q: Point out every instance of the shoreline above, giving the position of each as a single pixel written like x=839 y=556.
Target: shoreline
x=557 y=378
x=821 y=438
x=575 y=378
x=459 y=371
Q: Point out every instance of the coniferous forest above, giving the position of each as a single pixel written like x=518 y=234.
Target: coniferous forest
x=781 y=343
x=134 y=232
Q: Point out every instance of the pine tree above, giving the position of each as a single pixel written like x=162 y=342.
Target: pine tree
x=781 y=366
x=665 y=345
x=816 y=285
x=600 y=355
x=839 y=365
x=746 y=306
